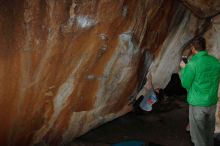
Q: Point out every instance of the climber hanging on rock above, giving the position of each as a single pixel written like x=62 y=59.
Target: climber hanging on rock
x=159 y=99
x=147 y=96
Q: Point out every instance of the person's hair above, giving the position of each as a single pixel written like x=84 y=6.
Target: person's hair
x=199 y=44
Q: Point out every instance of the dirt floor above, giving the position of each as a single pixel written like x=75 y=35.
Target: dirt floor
x=166 y=128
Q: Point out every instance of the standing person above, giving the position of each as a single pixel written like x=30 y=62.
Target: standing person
x=200 y=76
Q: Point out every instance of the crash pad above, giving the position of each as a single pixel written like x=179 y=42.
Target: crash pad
x=130 y=143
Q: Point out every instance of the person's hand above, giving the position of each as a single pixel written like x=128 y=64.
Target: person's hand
x=182 y=64
x=148 y=84
x=149 y=76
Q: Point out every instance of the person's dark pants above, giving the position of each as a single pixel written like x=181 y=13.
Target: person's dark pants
x=202 y=125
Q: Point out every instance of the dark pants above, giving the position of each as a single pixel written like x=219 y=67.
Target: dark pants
x=202 y=125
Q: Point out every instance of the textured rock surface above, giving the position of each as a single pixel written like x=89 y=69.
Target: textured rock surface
x=203 y=8
x=213 y=38
x=67 y=66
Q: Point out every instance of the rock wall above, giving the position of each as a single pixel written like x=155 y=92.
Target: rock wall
x=67 y=66
x=203 y=8
x=212 y=36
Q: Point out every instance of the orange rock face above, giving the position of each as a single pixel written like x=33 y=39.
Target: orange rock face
x=67 y=66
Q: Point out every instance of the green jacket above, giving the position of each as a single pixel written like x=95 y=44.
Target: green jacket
x=201 y=79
